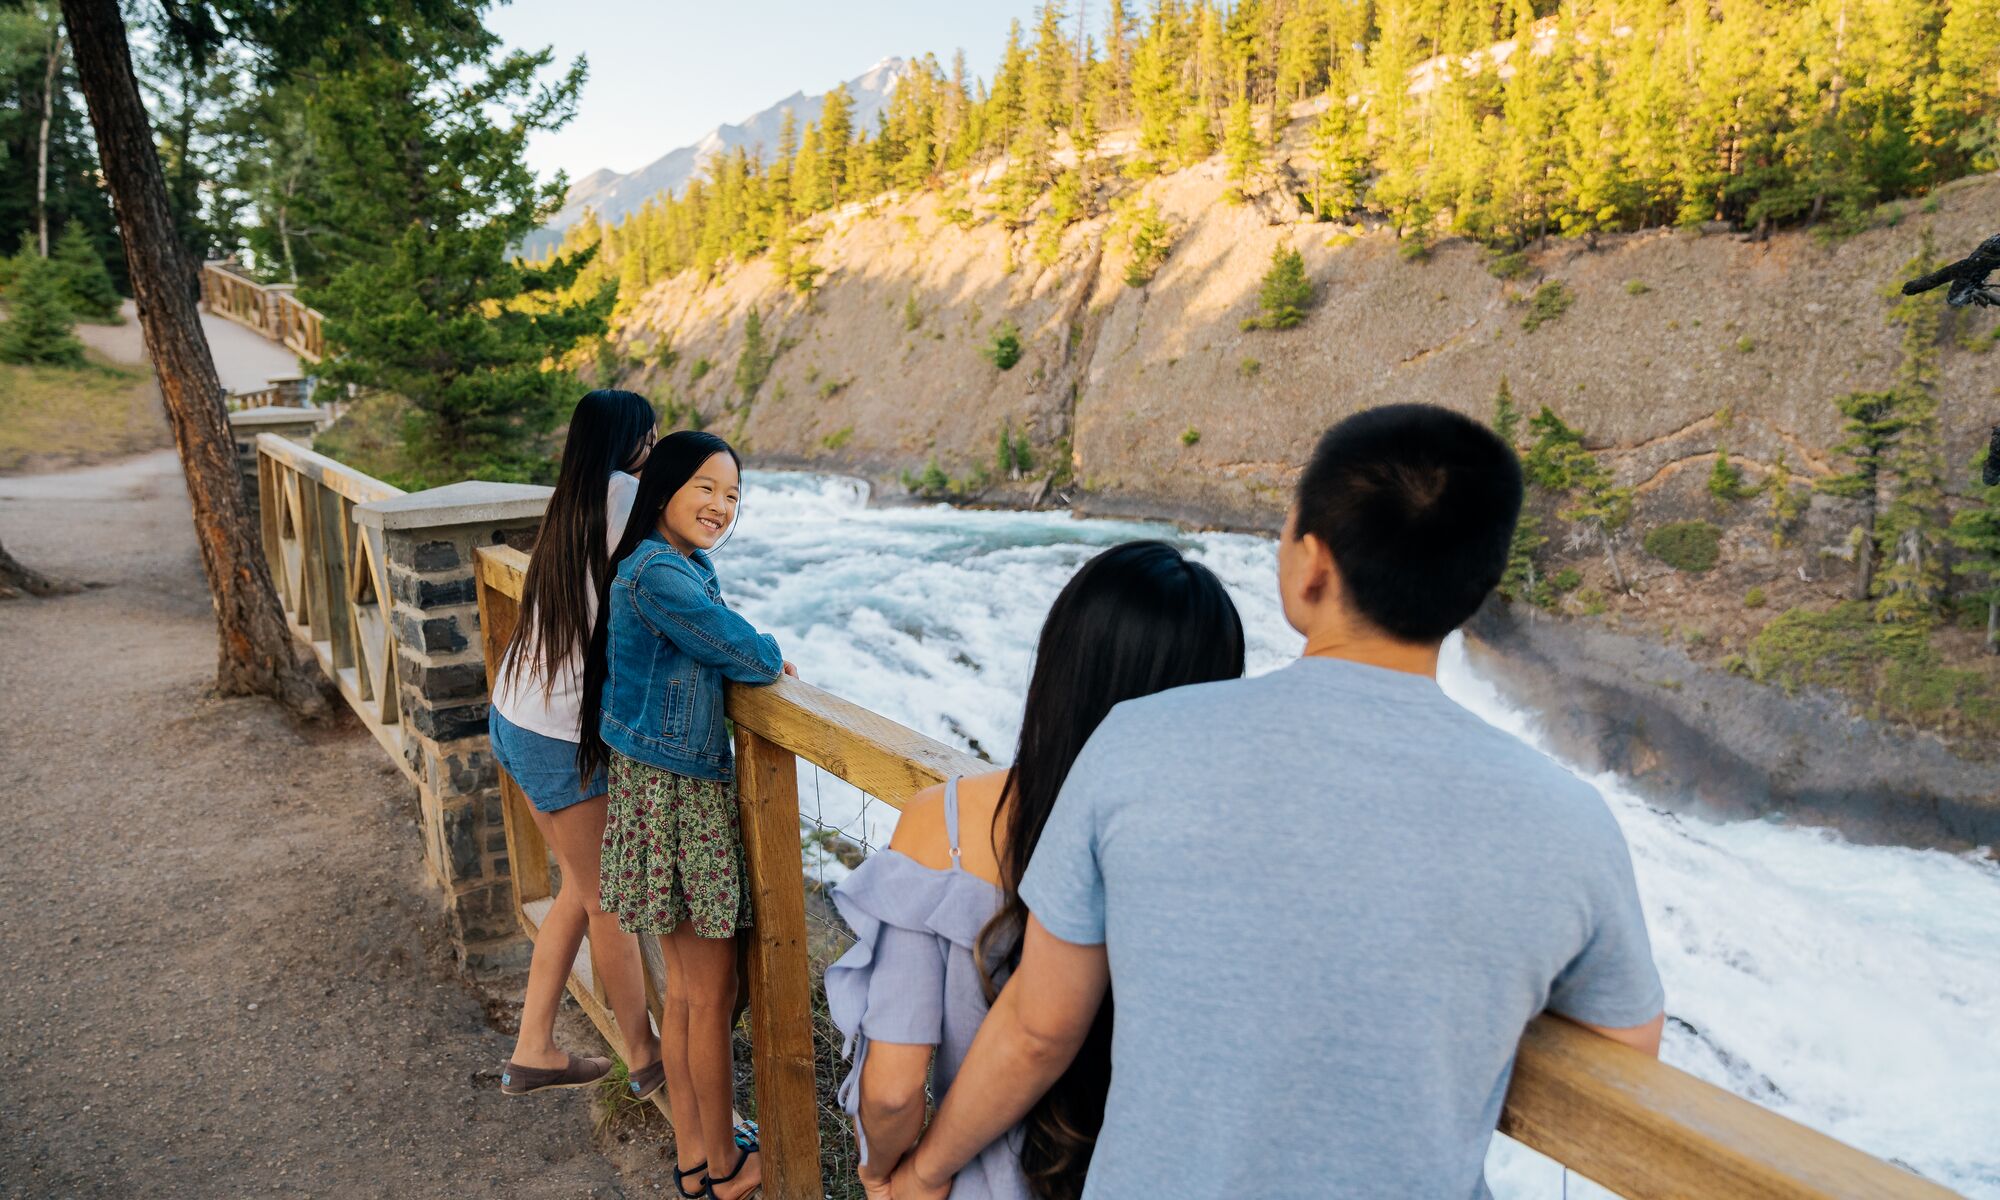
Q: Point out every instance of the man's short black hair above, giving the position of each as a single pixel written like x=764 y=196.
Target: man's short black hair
x=1418 y=505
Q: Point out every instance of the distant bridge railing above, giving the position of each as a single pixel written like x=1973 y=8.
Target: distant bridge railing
x=407 y=603
x=269 y=308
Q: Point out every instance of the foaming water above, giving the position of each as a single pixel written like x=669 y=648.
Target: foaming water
x=1852 y=988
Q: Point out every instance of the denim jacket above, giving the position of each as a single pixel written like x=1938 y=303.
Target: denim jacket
x=672 y=643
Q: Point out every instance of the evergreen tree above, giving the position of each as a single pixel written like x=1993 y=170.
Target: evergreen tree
x=87 y=285
x=38 y=325
x=836 y=131
x=1239 y=148
x=1339 y=156
x=1871 y=423
x=1912 y=527
x=422 y=145
x=1976 y=531
x=754 y=364
x=1551 y=451
x=1520 y=581
x=1286 y=293
x=1597 y=504
x=1506 y=415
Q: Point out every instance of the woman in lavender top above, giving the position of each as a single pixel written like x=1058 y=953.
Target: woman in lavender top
x=936 y=917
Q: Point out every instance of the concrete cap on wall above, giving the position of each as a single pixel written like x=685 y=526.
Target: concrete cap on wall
x=268 y=418
x=472 y=502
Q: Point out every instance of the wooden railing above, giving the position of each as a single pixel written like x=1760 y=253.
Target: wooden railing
x=332 y=577
x=1643 y=1129
x=269 y=308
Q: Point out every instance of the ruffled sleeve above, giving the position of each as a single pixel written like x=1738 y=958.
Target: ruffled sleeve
x=890 y=985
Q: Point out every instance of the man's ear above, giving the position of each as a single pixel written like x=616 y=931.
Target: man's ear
x=1320 y=582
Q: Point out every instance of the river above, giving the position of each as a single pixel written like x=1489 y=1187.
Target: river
x=1855 y=989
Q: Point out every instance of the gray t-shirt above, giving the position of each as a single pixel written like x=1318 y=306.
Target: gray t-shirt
x=1332 y=900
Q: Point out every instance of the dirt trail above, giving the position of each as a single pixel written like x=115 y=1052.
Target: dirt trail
x=221 y=976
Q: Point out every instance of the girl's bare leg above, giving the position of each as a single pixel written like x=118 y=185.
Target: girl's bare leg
x=709 y=965
x=576 y=834
x=555 y=952
x=690 y=1146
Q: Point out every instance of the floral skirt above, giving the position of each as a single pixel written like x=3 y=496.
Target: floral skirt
x=673 y=852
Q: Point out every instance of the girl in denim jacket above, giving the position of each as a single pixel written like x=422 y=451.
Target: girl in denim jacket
x=672 y=864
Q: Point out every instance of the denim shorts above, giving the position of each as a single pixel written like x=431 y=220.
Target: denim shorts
x=542 y=766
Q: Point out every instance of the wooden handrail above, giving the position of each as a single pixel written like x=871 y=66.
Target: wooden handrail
x=332 y=576
x=269 y=308
x=1633 y=1124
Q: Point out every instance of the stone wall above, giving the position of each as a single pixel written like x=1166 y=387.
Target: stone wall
x=428 y=539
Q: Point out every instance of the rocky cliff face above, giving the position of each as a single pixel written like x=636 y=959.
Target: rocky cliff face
x=1676 y=345
x=1676 y=342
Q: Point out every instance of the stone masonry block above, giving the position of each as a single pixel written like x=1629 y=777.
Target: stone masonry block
x=449 y=723
x=466 y=768
x=432 y=591
x=464 y=858
x=445 y=682
x=446 y=634
x=424 y=553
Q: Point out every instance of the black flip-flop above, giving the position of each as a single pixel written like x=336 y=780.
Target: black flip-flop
x=747 y=1148
x=681 y=1180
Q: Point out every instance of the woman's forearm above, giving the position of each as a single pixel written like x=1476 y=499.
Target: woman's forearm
x=891 y=1106
x=1007 y=1070
x=890 y=1130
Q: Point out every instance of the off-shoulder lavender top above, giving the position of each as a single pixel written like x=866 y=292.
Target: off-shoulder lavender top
x=910 y=979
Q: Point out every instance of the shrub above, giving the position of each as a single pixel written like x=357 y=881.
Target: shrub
x=91 y=293
x=1190 y=436
x=1566 y=580
x=1754 y=598
x=1725 y=480
x=1150 y=241
x=912 y=315
x=1507 y=265
x=1005 y=348
x=1551 y=300
x=699 y=368
x=837 y=439
x=1636 y=287
x=1693 y=546
x=1249 y=368
x=1015 y=456
x=830 y=388
x=1286 y=293
x=1745 y=344
x=39 y=324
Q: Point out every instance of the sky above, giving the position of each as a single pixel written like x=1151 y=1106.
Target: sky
x=664 y=72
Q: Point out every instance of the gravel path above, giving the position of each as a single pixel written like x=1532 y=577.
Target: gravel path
x=222 y=975
x=246 y=361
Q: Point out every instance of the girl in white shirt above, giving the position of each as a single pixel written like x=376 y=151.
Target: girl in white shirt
x=534 y=728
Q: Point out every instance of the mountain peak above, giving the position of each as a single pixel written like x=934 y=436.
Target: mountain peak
x=611 y=195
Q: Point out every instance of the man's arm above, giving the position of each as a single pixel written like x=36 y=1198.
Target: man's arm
x=1643 y=1038
x=1027 y=1041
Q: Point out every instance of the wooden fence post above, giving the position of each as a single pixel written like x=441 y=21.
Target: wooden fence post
x=780 y=979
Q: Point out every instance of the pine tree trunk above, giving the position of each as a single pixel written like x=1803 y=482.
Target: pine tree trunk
x=1865 y=555
x=255 y=652
x=1611 y=556
x=1993 y=627
x=48 y=118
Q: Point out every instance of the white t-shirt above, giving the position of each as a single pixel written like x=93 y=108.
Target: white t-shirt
x=554 y=709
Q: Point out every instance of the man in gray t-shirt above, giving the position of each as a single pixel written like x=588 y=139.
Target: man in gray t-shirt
x=1329 y=899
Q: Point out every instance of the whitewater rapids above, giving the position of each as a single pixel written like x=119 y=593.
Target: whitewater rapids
x=1855 y=989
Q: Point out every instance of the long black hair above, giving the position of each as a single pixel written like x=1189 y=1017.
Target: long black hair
x=607 y=433
x=1138 y=618
x=675 y=460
